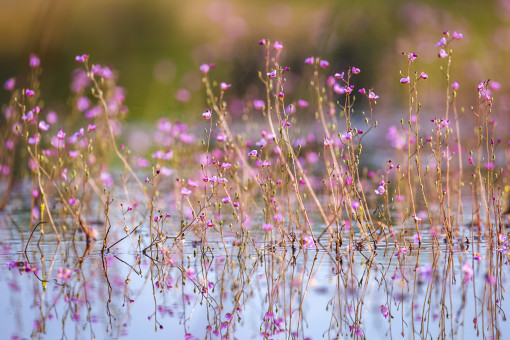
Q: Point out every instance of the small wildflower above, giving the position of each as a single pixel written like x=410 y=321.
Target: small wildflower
x=355 y=70
x=412 y=56
x=380 y=190
x=207 y=114
x=417 y=238
x=455 y=85
x=405 y=80
x=81 y=58
x=327 y=142
x=442 y=53
x=61 y=134
x=278 y=45
x=185 y=191
x=29 y=92
x=457 y=36
x=339 y=75
x=423 y=75
x=468 y=272
x=225 y=86
x=372 y=96
x=266 y=164
x=253 y=153
x=309 y=60
x=324 y=64
x=34 y=61
x=267 y=226
x=302 y=103
x=9 y=84
x=347 y=136
x=384 y=311
x=362 y=91
x=441 y=42
x=205 y=68
x=355 y=205
x=258 y=104
x=226 y=165
x=271 y=74
x=262 y=41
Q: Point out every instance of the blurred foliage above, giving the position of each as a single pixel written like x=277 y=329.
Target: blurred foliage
x=157 y=46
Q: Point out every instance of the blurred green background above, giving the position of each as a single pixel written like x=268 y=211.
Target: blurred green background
x=156 y=46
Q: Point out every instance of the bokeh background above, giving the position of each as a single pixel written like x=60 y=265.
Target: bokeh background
x=156 y=46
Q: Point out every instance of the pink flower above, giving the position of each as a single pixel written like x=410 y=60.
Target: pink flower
x=347 y=136
x=468 y=272
x=327 y=142
x=225 y=86
x=9 y=84
x=271 y=74
x=423 y=75
x=442 y=53
x=380 y=190
x=258 y=104
x=309 y=60
x=226 y=165
x=441 y=42
x=412 y=56
x=185 y=191
x=355 y=70
x=362 y=91
x=29 y=93
x=405 y=80
x=81 y=58
x=455 y=85
x=207 y=114
x=278 y=45
x=355 y=205
x=302 y=103
x=372 y=96
x=34 y=61
x=204 y=68
x=267 y=226
x=91 y=127
x=43 y=126
x=253 y=153
x=262 y=41
x=457 y=36
x=324 y=64
x=339 y=75
x=61 y=134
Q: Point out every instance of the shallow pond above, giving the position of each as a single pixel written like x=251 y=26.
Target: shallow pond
x=233 y=288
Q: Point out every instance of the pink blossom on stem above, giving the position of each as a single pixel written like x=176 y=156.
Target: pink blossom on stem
x=457 y=36
x=405 y=80
x=442 y=53
x=423 y=75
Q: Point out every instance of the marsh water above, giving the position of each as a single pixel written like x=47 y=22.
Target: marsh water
x=223 y=288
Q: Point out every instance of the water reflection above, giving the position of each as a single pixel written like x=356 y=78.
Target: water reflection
x=200 y=290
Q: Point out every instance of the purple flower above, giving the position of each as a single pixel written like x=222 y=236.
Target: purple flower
x=207 y=114
x=441 y=42
x=253 y=153
x=225 y=86
x=324 y=64
x=34 y=61
x=380 y=190
x=339 y=75
x=372 y=96
x=309 y=60
x=43 y=126
x=423 y=75
x=468 y=272
x=278 y=45
x=412 y=56
x=61 y=134
x=205 y=68
x=405 y=80
x=271 y=74
x=302 y=103
x=455 y=85
x=91 y=127
x=362 y=91
x=226 y=165
x=457 y=36
x=262 y=41
x=258 y=104
x=266 y=164
x=355 y=70
x=267 y=226
x=327 y=141
x=347 y=136
x=29 y=92
x=384 y=311
x=9 y=84
x=355 y=205
x=185 y=191
x=81 y=58
x=442 y=53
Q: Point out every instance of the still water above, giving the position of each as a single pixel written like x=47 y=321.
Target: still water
x=232 y=289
